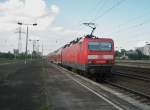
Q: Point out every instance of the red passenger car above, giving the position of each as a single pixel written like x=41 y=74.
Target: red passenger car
x=55 y=56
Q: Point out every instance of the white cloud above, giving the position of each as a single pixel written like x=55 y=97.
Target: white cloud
x=55 y=9
x=27 y=11
x=141 y=44
x=56 y=29
x=31 y=11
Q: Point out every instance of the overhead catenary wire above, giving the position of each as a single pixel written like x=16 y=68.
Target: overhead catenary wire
x=124 y=26
x=133 y=19
x=98 y=8
x=108 y=10
x=131 y=27
x=101 y=7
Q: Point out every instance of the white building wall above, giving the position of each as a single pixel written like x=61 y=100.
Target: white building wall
x=146 y=50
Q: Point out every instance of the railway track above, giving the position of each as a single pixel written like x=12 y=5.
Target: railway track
x=145 y=64
x=128 y=90
x=145 y=71
x=133 y=76
x=131 y=89
x=133 y=82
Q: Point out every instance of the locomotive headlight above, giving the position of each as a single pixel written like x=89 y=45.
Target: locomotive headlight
x=92 y=56
x=110 y=57
x=107 y=57
x=89 y=61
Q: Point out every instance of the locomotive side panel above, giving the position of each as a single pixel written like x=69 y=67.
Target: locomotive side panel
x=74 y=56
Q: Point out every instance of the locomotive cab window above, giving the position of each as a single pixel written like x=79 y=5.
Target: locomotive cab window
x=100 y=46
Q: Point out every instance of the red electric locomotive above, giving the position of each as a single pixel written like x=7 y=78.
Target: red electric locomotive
x=90 y=54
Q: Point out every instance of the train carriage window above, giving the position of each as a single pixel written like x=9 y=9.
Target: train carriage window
x=100 y=46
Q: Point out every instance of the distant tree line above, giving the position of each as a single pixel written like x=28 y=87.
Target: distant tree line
x=131 y=54
x=9 y=55
x=138 y=55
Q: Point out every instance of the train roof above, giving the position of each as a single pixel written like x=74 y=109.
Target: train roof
x=80 y=39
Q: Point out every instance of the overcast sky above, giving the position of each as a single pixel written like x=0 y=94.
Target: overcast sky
x=60 y=21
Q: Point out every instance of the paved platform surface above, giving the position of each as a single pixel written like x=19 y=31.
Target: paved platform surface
x=21 y=87
x=66 y=94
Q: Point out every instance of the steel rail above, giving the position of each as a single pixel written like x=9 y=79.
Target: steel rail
x=128 y=89
x=133 y=76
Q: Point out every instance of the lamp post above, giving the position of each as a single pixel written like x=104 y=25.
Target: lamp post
x=27 y=35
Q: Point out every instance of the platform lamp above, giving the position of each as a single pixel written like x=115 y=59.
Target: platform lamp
x=27 y=34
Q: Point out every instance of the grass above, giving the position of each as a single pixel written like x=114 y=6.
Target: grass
x=4 y=60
